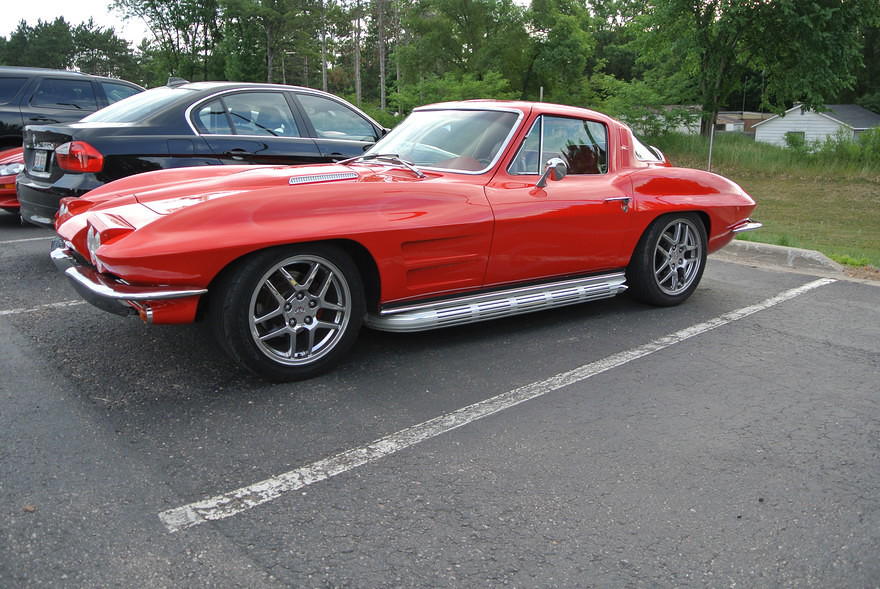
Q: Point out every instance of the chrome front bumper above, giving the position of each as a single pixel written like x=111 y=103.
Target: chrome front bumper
x=109 y=294
x=747 y=225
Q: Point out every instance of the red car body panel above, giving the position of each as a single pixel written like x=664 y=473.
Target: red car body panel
x=8 y=199
x=446 y=233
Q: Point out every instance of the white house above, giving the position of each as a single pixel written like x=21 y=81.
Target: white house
x=811 y=125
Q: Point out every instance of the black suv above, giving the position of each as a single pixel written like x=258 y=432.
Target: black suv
x=187 y=124
x=32 y=96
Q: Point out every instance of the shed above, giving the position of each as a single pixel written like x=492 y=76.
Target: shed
x=847 y=118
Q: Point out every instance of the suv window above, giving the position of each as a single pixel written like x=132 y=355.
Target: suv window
x=333 y=120
x=116 y=92
x=261 y=113
x=65 y=94
x=582 y=145
x=9 y=87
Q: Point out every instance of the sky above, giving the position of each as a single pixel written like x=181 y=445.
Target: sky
x=74 y=12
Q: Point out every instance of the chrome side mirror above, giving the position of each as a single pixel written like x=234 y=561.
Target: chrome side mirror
x=555 y=170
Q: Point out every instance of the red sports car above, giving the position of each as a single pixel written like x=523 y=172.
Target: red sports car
x=11 y=163
x=465 y=212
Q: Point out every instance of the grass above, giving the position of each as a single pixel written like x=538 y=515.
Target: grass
x=832 y=206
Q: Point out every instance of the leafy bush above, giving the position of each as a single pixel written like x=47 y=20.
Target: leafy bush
x=452 y=86
x=796 y=141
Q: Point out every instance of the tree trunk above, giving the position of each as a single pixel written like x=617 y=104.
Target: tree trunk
x=381 y=8
x=357 y=53
x=269 y=55
x=323 y=46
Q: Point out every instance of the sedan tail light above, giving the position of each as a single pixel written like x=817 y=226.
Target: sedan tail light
x=79 y=156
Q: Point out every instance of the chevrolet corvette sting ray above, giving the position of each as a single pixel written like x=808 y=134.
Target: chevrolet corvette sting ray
x=465 y=212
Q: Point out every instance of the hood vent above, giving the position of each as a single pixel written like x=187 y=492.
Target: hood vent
x=323 y=177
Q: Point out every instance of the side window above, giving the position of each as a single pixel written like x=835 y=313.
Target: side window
x=334 y=120
x=581 y=144
x=211 y=119
x=65 y=94
x=116 y=92
x=261 y=113
x=644 y=152
x=9 y=87
x=527 y=160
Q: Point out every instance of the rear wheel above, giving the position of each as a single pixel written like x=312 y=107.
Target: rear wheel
x=289 y=313
x=669 y=260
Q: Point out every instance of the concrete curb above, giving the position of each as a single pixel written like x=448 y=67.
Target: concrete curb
x=765 y=254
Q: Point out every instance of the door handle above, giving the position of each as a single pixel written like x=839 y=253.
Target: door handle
x=237 y=154
x=623 y=200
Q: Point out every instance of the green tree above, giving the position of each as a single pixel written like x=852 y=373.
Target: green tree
x=807 y=51
x=99 y=51
x=186 y=34
x=561 y=45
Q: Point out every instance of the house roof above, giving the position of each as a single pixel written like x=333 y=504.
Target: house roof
x=851 y=115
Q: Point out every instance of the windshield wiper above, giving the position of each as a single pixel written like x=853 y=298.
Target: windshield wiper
x=385 y=157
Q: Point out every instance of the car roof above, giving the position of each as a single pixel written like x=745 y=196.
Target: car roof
x=222 y=85
x=521 y=105
x=41 y=71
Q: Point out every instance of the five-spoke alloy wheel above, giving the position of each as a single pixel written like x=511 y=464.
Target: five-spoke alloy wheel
x=290 y=313
x=669 y=260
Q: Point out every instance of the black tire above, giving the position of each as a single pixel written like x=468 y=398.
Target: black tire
x=669 y=260
x=289 y=313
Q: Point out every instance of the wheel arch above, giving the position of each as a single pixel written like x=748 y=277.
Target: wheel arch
x=359 y=254
x=703 y=216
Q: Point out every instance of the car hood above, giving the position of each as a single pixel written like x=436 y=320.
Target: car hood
x=164 y=196
x=12 y=156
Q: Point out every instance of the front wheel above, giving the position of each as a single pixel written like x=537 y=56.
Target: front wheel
x=669 y=260
x=289 y=313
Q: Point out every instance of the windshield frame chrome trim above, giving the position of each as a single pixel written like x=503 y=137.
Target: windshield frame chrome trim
x=513 y=130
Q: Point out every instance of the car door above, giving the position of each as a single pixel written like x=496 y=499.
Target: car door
x=339 y=131
x=572 y=226
x=254 y=127
x=59 y=100
x=11 y=87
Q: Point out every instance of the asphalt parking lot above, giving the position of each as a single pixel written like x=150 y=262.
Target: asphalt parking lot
x=730 y=441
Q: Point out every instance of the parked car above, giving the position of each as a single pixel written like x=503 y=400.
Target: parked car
x=11 y=163
x=188 y=125
x=465 y=212
x=31 y=96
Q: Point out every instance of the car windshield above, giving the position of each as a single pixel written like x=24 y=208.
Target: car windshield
x=136 y=108
x=458 y=140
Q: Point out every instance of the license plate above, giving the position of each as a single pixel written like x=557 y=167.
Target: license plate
x=40 y=161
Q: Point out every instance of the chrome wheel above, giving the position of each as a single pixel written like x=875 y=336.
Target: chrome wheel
x=669 y=260
x=678 y=257
x=300 y=309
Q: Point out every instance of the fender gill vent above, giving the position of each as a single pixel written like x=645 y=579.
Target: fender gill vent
x=323 y=177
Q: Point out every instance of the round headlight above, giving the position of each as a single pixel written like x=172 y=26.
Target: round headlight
x=11 y=169
x=93 y=242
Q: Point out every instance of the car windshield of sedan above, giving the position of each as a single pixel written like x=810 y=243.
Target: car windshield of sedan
x=137 y=107
x=457 y=140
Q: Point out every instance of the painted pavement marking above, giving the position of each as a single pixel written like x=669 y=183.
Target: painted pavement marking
x=22 y=310
x=235 y=502
x=7 y=242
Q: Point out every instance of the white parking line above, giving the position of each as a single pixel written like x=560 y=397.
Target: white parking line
x=41 y=307
x=234 y=502
x=7 y=242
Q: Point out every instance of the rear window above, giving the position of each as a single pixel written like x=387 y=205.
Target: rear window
x=9 y=87
x=138 y=107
